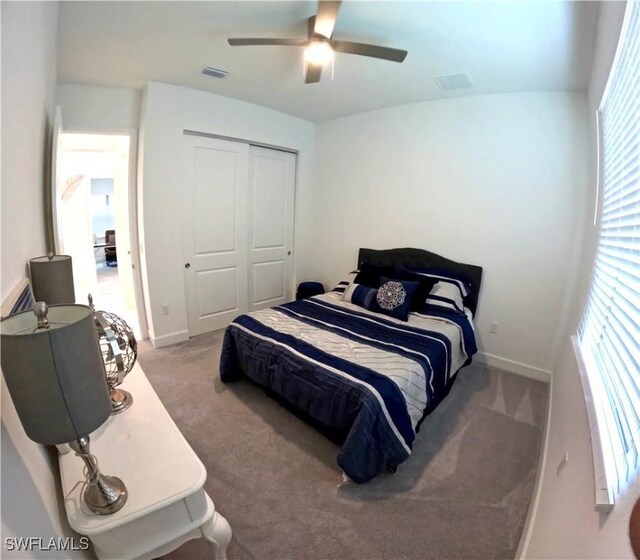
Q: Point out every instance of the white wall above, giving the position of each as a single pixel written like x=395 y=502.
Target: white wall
x=166 y=111
x=31 y=505
x=97 y=109
x=488 y=180
x=566 y=523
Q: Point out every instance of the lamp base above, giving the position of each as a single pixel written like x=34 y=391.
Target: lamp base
x=103 y=494
x=106 y=495
x=120 y=400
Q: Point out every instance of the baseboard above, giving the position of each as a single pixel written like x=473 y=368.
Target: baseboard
x=512 y=366
x=527 y=530
x=168 y=339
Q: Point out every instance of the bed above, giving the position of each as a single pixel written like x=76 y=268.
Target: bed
x=365 y=378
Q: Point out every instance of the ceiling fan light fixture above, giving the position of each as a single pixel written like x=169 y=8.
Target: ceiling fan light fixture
x=318 y=52
x=320 y=46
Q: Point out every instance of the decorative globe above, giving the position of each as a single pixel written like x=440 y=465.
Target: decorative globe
x=119 y=353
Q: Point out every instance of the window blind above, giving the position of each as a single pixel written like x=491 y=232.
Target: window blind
x=609 y=333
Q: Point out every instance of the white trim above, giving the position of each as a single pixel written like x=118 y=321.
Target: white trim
x=599 y=170
x=525 y=537
x=241 y=141
x=616 y=59
x=134 y=232
x=169 y=339
x=53 y=226
x=519 y=368
x=603 y=493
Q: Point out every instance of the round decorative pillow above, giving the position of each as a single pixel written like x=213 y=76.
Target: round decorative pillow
x=391 y=295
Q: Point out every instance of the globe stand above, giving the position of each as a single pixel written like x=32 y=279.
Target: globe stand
x=120 y=400
x=119 y=352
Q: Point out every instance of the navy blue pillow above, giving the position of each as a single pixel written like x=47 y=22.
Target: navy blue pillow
x=370 y=275
x=395 y=297
x=359 y=295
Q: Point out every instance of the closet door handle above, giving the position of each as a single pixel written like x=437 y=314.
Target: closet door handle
x=288 y=252
x=188 y=265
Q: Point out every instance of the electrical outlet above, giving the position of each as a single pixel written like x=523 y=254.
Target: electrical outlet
x=494 y=328
x=165 y=309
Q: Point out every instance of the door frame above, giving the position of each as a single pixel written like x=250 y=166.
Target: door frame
x=188 y=132
x=134 y=238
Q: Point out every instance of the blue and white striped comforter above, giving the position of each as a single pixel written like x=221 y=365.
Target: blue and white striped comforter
x=367 y=377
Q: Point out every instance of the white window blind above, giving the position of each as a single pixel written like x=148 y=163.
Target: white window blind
x=609 y=334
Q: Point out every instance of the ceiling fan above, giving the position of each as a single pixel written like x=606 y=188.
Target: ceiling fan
x=320 y=45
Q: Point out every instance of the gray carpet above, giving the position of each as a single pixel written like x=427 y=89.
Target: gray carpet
x=463 y=493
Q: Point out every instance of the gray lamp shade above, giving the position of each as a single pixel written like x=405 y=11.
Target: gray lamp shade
x=55 y=376
x=52 y=279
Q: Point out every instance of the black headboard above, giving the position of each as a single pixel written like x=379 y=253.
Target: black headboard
x=419 y=258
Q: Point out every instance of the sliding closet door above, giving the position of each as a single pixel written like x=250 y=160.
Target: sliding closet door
x=215 y=231
x=271 y=206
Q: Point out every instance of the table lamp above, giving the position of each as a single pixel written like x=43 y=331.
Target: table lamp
x=54 y=372
x=52 y=279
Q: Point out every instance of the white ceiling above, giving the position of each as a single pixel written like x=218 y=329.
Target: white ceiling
x=503 y=46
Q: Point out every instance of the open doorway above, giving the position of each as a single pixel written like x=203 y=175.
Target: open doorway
x=94 y=218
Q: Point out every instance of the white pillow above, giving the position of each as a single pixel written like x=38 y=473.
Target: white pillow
x=447 y=295
x=344 y=284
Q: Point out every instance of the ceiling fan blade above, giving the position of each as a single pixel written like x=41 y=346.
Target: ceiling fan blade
x=312 y=73
x=374 y=51
x=326 y=17
x=311 y=25
x=282 y=42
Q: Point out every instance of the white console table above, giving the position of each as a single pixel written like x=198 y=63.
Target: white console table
x=167 y=504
